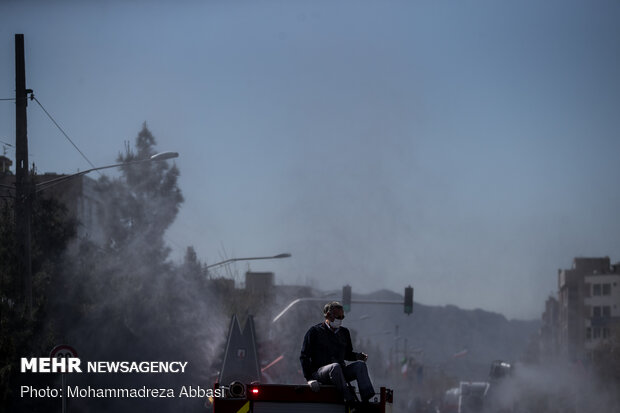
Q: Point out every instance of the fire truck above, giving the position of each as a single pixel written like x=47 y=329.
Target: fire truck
x=247 y=394
x=283 y=398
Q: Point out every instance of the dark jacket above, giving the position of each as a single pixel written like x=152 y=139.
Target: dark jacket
x=322 y=346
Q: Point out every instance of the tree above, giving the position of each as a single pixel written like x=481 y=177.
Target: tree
x=22 y=335
x=121 y=283
x=143 y=203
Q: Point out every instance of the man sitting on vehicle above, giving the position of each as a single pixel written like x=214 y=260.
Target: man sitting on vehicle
x=325 y=348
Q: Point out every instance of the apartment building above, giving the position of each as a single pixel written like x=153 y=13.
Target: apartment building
x=78 y=194
x=589 y=305
x=602 y=305
x=548 y=332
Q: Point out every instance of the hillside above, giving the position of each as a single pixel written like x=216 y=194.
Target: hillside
x=458 y=341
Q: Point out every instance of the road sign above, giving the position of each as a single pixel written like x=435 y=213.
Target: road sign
x=63 y=350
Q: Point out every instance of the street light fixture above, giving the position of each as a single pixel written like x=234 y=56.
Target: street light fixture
x=274 y=257
x=162 y=156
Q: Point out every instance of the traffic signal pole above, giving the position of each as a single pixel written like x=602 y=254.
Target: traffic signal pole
x=347 y=300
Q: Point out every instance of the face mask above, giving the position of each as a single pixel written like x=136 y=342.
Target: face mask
x=335 y=324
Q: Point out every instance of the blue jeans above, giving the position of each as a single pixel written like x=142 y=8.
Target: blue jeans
x=335 y=374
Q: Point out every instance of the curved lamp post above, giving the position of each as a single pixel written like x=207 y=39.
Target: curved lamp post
x=274 y=257
x=162 y=156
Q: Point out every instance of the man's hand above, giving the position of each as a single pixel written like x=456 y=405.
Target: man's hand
x=314 y=385
x=362 y=356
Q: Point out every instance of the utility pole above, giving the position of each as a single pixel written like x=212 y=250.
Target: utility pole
x=23 y=188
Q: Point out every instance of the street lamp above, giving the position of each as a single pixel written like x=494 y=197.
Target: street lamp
x=24 y=194
x=275 y=257
x=162 y=156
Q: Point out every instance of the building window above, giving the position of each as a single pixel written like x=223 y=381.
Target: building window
x=596 y=311
x=596 y=333
x=588 y=333
x=596 y=289
x=605 y=332
x=606 y=311
x=606 y=289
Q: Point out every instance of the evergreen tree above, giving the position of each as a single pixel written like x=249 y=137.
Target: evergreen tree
x=143 y=203
x=124 y=280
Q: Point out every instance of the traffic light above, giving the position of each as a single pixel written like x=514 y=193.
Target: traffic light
x=346 y=298
x=408 y=300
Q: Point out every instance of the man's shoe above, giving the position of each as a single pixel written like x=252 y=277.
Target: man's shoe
x=352 y=406
x=358 y=407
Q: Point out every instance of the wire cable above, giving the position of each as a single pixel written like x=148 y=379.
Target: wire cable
x=7 y=98
x=32 y=97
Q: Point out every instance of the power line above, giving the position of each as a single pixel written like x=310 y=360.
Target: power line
x=7 y=98
x=32 y=97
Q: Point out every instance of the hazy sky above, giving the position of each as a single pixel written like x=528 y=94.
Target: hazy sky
x=469 y=149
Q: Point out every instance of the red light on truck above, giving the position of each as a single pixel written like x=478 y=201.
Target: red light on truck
x=255 y=391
